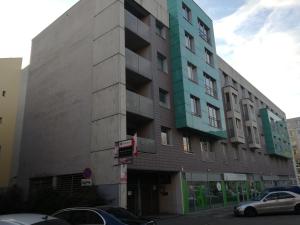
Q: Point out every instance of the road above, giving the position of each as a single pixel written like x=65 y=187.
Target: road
x=225 y=217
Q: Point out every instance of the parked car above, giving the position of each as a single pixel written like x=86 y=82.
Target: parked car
x=295 y=189
x=272 y=202
x=100 y=215
x=127 y=217
x=30 y=219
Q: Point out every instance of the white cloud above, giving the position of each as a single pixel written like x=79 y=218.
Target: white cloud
x=270 y=56
x=21 y=20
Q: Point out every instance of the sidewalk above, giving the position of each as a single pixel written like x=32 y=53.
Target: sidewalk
x=203 y=212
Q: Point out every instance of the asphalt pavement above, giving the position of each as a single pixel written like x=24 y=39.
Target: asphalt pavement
x=226 y=217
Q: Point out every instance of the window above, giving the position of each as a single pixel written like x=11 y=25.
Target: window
x=208 y=57
x=203 y=31
x=214 y=116
x=245 y=110
x=210 y=86
x=235 y=98
x=238 y=123
x=162 y=63
x=186 y=144
x=230 y=127
x=285 y=195
x=226 y=78
x=0 y=120
x=252 y=113
x=3 y=93
x=192 y=72
x=187 y=14
x=164 y=98
x=256 y=135
x=165 y=136
x=195 y=105
x=234 y=83
x=160 y=30
x=271 y=197
x=189 y=41
x=243 y=92
x=249 y=135
x=250 y=95
x=227 y=102
x=205 y=150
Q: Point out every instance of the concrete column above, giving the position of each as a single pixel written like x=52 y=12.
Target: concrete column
x=108 y=122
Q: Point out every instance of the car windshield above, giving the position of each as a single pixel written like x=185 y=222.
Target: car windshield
x=260 y=196
x=121 y=213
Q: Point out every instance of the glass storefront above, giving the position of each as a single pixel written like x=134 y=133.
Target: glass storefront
x=202 y=193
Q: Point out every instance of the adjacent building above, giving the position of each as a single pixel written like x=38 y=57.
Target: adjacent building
x=294 y=131
x=108 y=70
x=10 y=86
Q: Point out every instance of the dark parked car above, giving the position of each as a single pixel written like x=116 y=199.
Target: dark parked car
x=100 y=215
x=295 y=189
x=30 y=219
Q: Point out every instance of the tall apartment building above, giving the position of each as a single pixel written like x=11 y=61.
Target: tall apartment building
x=10 y=85
x=107 y=70
x=294 y=131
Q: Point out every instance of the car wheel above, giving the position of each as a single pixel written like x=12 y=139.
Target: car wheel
x=250 y=212
x=297 y=209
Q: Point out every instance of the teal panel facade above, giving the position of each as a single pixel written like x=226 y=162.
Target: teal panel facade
x=276 y=134
x=183 y=87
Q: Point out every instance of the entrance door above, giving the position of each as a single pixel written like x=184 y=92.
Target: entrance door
x=149 y=196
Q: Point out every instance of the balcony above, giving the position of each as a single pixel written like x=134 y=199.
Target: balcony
x=238 y=137
x=139 y=67
x=145 y=145
x=137 y=32
x=139 y=105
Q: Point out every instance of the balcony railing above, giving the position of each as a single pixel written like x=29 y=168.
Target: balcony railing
x=211 y=91
x=145 y=145
x=139 y=105
x=138 y=64
x=214 y=122
x=137 y=26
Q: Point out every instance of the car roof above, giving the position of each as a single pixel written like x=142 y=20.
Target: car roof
x=283 y=191
x=25 y=218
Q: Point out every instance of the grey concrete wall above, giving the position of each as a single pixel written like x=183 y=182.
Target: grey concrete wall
x=108 y=96
x=58 y=102
x=19 y=126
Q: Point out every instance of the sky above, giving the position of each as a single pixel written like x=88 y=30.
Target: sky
x=259 y=38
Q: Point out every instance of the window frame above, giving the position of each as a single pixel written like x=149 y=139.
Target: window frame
x=162 y=64
x=204 y=31
x=186 y=143
x=189 y=41
x=209 y=57
x=196 y=105
x=214 y=117
x=210 y=85
x=167 y=131
x=192 y=70
x=166 y=96
x=160 y=29
x=187 y=12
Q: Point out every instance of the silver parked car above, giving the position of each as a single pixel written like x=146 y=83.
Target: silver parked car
x=271 y=202
x=30 y=219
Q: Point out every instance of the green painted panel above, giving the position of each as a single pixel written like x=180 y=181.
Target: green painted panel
x=183 y=88
x=276 y=134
